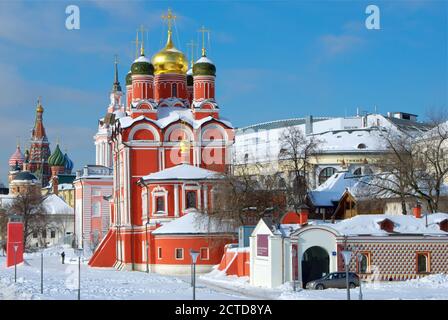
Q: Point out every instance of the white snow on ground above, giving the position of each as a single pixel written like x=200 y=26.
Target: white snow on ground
x=61 y=281
x=430 y=287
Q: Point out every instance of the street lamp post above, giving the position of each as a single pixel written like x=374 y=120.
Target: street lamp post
x=347 y=255
x=16 y=246
x=79 y=253
x=359 y=268
x=194 y=258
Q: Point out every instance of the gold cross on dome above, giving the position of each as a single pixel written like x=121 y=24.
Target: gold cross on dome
x=169 y=17
x=192 y=44
x=203 y=31
x=142 y=43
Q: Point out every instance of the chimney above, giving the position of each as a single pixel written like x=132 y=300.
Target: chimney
x=443 y=225
x=55 y=184
x=387 y=225
x=417 y=210
x=309 y=124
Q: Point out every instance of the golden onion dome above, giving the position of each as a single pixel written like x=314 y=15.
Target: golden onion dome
x=39 y=107
x=169 y=59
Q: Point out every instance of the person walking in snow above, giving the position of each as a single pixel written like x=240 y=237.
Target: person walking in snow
x=63 y=256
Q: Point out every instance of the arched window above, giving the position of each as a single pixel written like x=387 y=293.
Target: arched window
x=364 y=262
x=325 y=174
x=357 y=172
x=422 y=262
x=174 y=90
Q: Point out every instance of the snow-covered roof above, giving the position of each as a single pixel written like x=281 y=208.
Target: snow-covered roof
x=193 y=223
x=6 y=200
x=204 y=60
x=55 y=205
x=365 y=140
x=368 y=224
x=182 y=172
x=332 y=189
x=65 y=186
x=168 y=115
x=142 y=59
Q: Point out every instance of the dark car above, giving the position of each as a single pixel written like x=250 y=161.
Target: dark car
x=334 y=280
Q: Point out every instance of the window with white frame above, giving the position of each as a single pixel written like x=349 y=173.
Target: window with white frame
x=179 y=254
x=159 y=199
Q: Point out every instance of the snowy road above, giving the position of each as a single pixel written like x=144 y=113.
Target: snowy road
x=60 y=282
x=433 y=287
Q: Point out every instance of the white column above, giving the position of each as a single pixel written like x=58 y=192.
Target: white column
x=205 y=198
x=199 y=198
x=183 y=198
x=176 y=200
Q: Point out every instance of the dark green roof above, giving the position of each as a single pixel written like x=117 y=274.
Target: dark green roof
x=142 y=66
x=129 y=78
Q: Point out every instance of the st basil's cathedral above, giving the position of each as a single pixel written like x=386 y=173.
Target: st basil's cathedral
x=166 y=145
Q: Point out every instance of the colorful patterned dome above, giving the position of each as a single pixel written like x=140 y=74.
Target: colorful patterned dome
x=68 y=163
x=16 y=158
x=57 y=158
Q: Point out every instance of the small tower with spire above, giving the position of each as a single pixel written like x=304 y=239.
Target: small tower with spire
x=116 y=94
x=40 y=147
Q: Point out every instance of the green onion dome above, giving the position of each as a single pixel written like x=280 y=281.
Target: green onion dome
x=57 y=158
x=129 y=78
x=142 y=65
x=204 y=67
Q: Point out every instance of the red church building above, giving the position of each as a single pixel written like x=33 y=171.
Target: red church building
x=168 y=146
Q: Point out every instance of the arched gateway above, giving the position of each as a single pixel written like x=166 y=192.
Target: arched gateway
x=315 y=263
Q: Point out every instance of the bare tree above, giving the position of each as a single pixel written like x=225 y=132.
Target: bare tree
x=296 y=152
x=244 y=198
x=414 y=167
x=29 y=206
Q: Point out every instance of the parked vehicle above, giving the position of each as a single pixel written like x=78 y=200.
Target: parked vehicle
x=334 y=280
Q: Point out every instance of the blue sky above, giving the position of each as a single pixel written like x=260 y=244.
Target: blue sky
x=275 y=59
